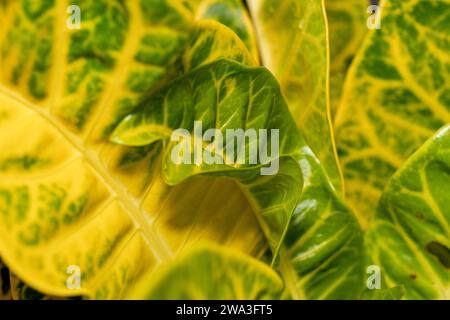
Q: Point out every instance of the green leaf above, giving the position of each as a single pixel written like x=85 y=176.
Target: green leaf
x=75 y=70
x=293 y=42
x=211 y=41
x=211 y=273
x=395 y=293
x=324 y=256
x=71 y=198
x=226 y=95
x=232 y=14
x=395 y=97
x=68 y=197
x=410 y=235
x=347 y=28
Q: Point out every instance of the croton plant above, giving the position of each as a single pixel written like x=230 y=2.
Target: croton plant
x=93 y=205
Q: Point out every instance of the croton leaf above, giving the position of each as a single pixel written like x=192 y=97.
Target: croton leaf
x=232 y=14
x=410 y=235
x=136 y=42
x=68 y=197
x=83 y=215
x=293 y=41
x=347 y=28
x=323 y=256
x=210 y=42
x=395 y=97
x=211 y=272
x=226 y=95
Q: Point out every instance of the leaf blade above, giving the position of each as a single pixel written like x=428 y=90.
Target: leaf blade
x=394 y=98
x=294 y=46
x=225 y=275
x=110 y=203
x=413 y=215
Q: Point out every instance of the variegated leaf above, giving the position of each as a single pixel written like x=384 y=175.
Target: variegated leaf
x=211 y=272
x=396 y=95
x=320 y=240
x=293 y=42
x=410 y=235
x=68 y=197
x=347 y=25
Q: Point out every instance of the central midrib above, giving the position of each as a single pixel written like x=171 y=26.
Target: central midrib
x=137 y=215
